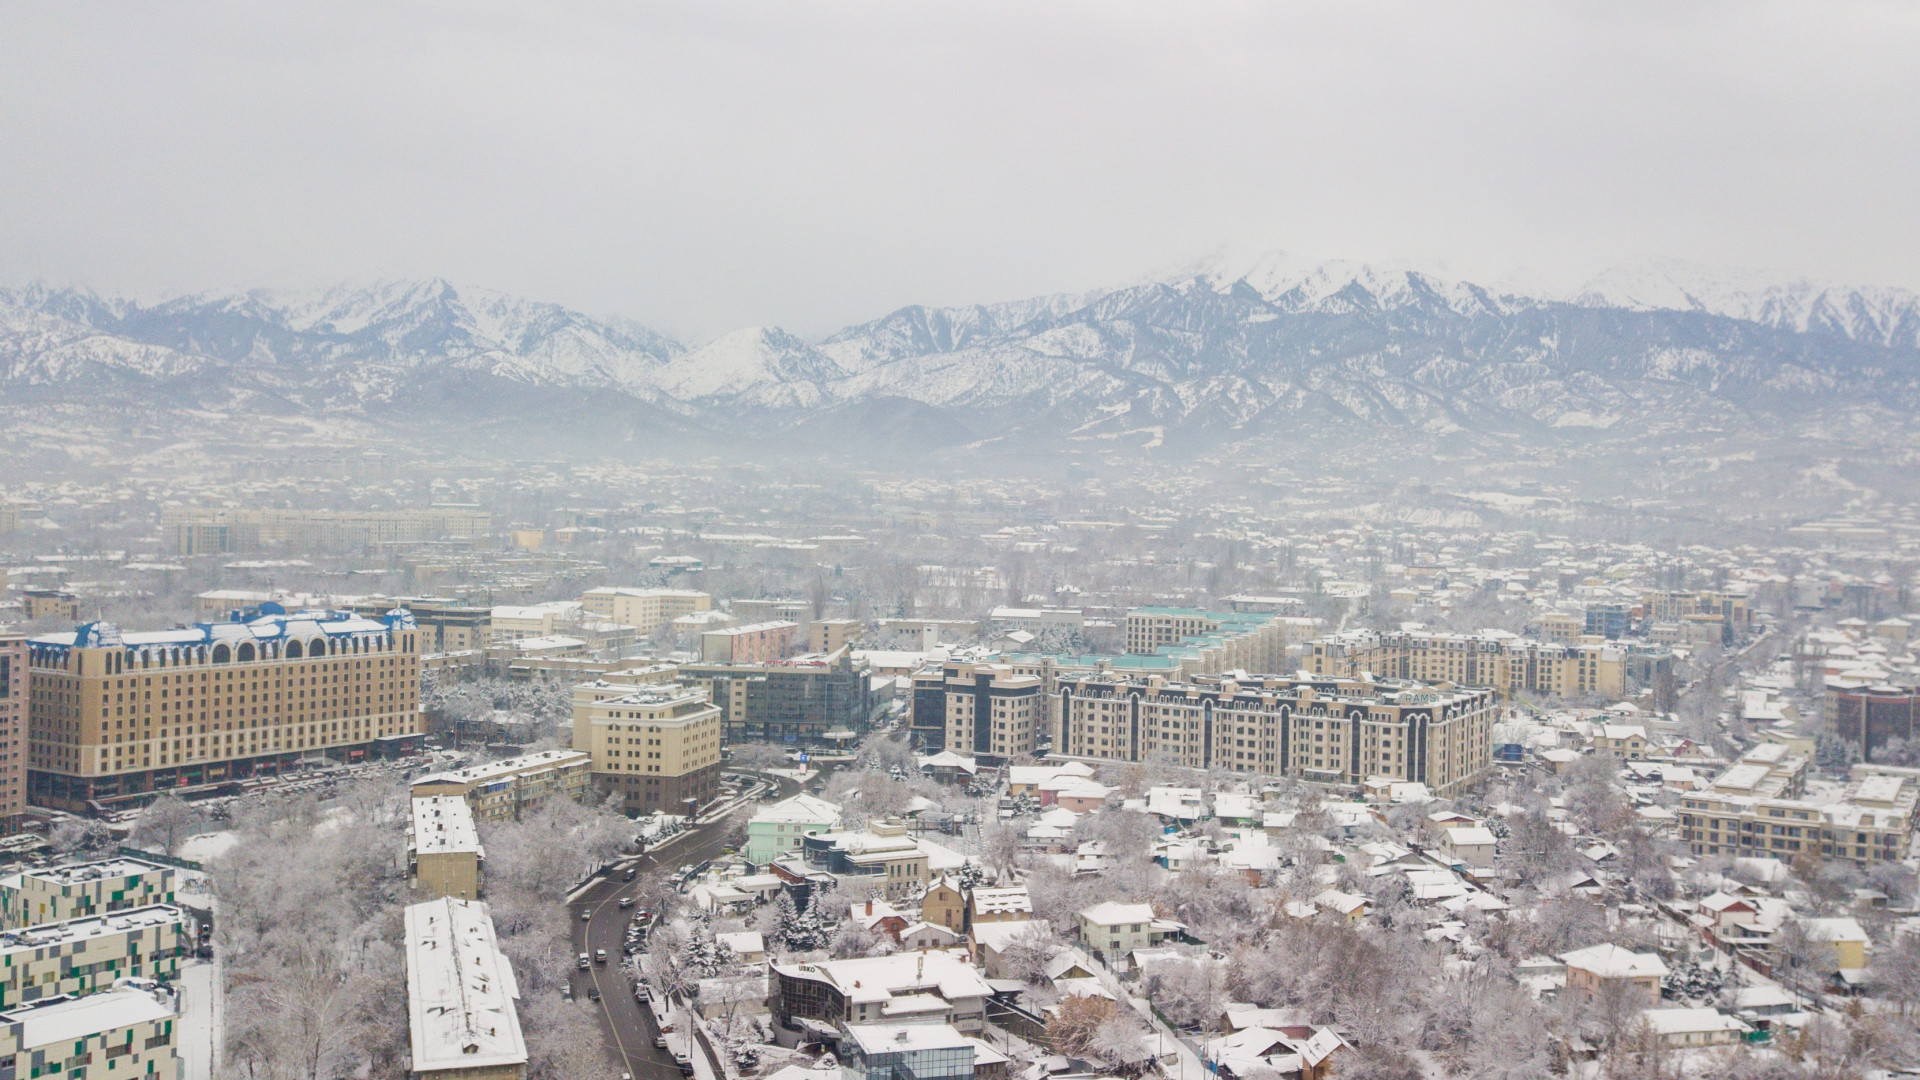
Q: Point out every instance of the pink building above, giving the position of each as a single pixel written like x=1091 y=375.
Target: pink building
x=15 y=692
x=755 y=643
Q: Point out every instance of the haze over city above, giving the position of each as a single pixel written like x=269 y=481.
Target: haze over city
x=959 y=542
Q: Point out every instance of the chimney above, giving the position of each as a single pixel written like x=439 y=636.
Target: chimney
x=869 y=905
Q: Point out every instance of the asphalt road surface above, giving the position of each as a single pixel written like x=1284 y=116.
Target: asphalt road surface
x=628 y=1024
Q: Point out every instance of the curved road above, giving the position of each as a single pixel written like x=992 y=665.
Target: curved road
x=629 y=1025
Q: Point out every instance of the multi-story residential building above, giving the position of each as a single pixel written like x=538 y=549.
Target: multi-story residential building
x=1607 y=620
x=462 y=1021
x=1112 y=930
x=797 y=700
x=1326 y=730
x=1560 y=627
x=445 y=624
x=646 y=610
x=83 y=956
x=832 y=635
x=444 y=856
x=116 y=715
x=656 y=747
x=1872 y=823
x=203 y=531
x=924 y=987
x=753 y=643
x=512 y=788
x=1731 y=611
x=511 y=622
x=777 y=830
x=1253 y=641
x=1507 y=664
x=31 y=897
x=793 y=611
x=984 y=710
x=16 y=697
x=112 y=1035
x=1592 y=970
x=49 y=604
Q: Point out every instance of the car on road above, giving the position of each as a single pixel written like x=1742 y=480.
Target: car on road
x=599 y=956
x=630 y=874
x=659 y=1042
x=587 y=915
x=593 y=993
x=585 y=962
x=626 y=901
x=641 y=993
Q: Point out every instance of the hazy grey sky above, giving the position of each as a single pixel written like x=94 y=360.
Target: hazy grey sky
x=708 y=165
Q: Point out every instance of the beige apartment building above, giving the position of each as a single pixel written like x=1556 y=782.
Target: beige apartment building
x=444 y=856
x=1341 y=731
x=32 y=897
x=118 y=715
x=1872 y=823
x=1507 y=664
x=646 y=610
x=209 y=531
x=512 y=788
x=113 y=1035
x=1730 y=612
x=989 y=711
x=462 y=1019
x=832 y=635
x=84 y=956
x=657 y=747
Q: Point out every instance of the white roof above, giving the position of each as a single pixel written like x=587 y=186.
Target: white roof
x=743 y=942
x=801 y=809
x=1683 y=1021
x=1471 y=836
x=460 y=989
x=443 y=824
x=1109 y=913
x=901 y=1038
x=1613 y=962
x=73 y=1020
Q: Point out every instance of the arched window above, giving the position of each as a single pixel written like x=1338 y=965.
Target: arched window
x=293 y=650
x=245 y=652
x=221 y=654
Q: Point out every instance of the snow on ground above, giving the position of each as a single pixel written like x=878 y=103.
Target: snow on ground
x=208 y=846
x=201 y=1018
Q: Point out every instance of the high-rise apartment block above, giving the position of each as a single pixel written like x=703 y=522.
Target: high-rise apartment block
x=16 y=686
x=753 y=643
x=656 y=747
x=646 y=610
x=797 y=700
x=988 y=711
x=38 y=896
x=115 y=714
x=1327 y=730
x=221 y=531
x=1250 y=641
x=1505 y=663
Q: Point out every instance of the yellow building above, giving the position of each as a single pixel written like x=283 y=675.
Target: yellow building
x=1507 y=664
x=116 y=715
x=117 y=1034
x=1872 y=823
x=512 y=788
x=990 y=711
x=832 y=635
x=462 y=1022
x=644 y=609
x=32 y=897
x=82 y=956
x=657 y=747
x=444 y=856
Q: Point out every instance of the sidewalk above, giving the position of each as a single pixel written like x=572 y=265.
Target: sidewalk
x=200 y=1019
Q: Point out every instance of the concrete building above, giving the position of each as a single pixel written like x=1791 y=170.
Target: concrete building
x=1591 y=971
x=657 y=748
x=206 y=531
x=129 y=1031
x=461 y=995
x=777 y=830
x=1327 y=730
x=646 y=610
x=753 y=643
x=444 y=856
x=1873 y=823
x=1869 y=716
x=508 y=623
x=1507 y=664
x=84 y=956
x=988 y=711
x=797 y=700
x=1253 y=641
x=880 y=858
x=909 y=1051
x=1730 y=612
x=49 y=604
x=916 y=987
x=16 y=697
x=116 y=715
x=832 y=635
x=32 y=897
x=510 y=789
x=445 y=624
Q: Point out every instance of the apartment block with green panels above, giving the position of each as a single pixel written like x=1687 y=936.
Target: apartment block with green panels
x=119 y=1034
x=84 y=956
x=32 y=897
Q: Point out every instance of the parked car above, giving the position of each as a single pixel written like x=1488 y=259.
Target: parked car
x=585 y=961
x=593 y=993
x=641 y=993
x=599 y=956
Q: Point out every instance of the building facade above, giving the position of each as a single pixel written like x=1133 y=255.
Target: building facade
x=987 y=711
x=512 y=788
x=207 y=531
x=84 y=956
x=646 y=610
x=1507 y=664
x=462 y=1020
x=118 y=715
x=444 y=856
x=1868 y=717
x=753 y=643
x=16 y=697
x=1329 y=730
x=657 y=747
x=1873 y=822
x=119 y=1033
x=796 y=701
x=32 y=897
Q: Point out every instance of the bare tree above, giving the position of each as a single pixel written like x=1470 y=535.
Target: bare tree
x=167 y=821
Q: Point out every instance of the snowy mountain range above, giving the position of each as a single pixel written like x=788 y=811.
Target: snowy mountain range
x=1221 y=351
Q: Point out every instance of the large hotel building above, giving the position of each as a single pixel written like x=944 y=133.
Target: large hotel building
x=657 y=747
x=117 y=715
x=1341 y=731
